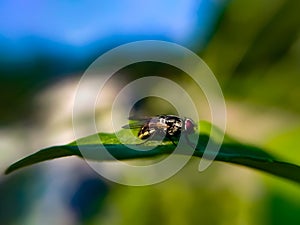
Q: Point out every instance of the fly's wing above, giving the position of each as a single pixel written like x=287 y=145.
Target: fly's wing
x=136 y=123
x=133 y=125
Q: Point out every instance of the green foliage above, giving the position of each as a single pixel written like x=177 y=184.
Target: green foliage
x=230 y=151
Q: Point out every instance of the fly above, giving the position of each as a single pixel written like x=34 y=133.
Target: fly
x=168 y=126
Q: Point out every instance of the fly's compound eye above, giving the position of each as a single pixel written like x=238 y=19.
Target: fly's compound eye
x=189 y=126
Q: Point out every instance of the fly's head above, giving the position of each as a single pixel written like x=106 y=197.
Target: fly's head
x=189 y=126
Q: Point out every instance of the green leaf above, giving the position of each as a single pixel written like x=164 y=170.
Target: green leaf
x=230 y=151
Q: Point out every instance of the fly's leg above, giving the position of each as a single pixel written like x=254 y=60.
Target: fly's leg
x=170 y=139
x=188 y=141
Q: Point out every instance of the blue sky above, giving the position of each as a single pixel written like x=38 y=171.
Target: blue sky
x=65 y=27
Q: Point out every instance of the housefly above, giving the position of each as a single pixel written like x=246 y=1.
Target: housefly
x=166 y=126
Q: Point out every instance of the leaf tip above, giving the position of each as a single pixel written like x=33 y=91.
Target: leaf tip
x=8 y=170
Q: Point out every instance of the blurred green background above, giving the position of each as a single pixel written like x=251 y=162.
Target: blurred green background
x=253 y=48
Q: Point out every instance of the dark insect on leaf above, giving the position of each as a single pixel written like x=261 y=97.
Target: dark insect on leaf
x=168 y=126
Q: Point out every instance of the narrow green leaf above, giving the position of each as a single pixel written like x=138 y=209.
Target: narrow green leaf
x=232 y=152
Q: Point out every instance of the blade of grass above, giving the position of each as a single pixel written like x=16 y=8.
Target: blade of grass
x=235 y=153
